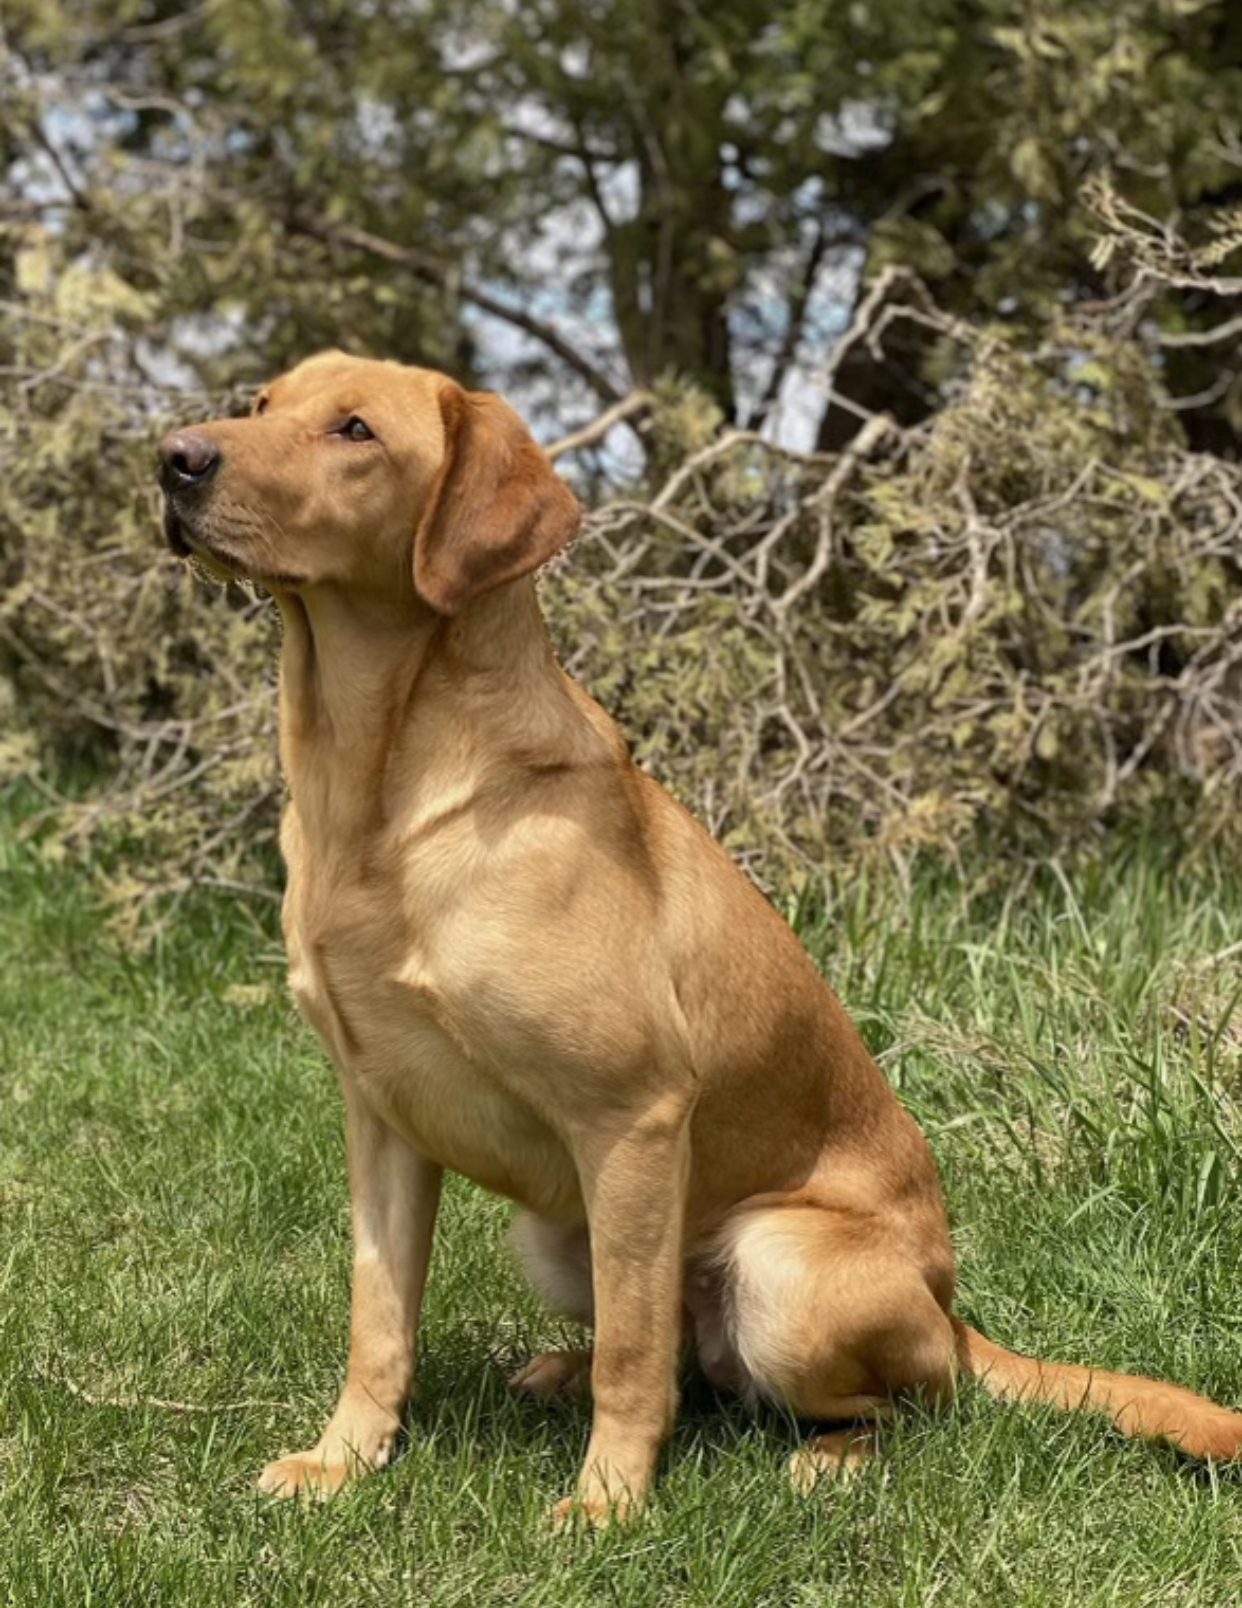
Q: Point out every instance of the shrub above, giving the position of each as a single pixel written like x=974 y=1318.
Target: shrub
x=1020 y=619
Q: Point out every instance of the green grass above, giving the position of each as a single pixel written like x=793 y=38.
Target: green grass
x=173 y=1229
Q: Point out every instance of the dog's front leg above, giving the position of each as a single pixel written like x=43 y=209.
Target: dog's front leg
x=394 y=1193
x=634 y=1174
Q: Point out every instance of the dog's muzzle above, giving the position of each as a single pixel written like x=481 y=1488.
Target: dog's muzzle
x=188 y=462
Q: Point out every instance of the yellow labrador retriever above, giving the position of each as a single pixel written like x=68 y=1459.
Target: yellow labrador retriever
x=529 y=964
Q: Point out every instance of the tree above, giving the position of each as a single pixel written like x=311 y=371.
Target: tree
x=1005 y=594
x=1027 y=106
x=632 y=189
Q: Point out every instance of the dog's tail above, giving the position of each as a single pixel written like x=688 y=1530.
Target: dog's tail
x=1138 y=1406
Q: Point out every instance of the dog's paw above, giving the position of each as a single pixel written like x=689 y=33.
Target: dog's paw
x=591 y=1512
x=605 y=1496
x=554 y=1373
x=836 y=1455
x=305 y=1474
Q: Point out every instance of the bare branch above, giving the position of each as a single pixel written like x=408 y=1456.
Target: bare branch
x=799 y=301
x=628 y=408
x=1202 y=337
x=432 y=269
x=80 y=198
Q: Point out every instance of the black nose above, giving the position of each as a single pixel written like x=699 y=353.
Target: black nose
x=187 y=458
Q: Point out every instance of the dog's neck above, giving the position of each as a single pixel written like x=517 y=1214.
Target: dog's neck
x=366 y=685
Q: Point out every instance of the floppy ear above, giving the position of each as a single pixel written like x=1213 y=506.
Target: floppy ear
x=495 y=509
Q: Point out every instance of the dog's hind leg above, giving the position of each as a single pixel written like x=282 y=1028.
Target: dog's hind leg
x=557 y=1261
x=839 y=1454
x=829 y=1314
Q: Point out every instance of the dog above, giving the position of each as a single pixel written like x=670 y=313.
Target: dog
x=530 y=965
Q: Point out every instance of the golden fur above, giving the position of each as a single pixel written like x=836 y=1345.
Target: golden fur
x=530 y=965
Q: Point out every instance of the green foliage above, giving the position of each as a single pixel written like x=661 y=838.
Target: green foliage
x=638 y=188
x=1021 y=619
x=1004 y=597
x=115 y=666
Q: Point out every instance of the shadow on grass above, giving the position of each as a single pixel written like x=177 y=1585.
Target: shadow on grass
x=464 y=1400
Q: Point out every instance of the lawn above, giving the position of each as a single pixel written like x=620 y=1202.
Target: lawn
x=174 y=1263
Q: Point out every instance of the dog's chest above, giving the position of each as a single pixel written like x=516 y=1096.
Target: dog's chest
x=361 y=979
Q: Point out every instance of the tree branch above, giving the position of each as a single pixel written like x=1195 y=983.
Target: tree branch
x=1201 y=337
x=546 y=142
x=635 y=402
x=79 y=196
x=436 y=272
x=799 y=301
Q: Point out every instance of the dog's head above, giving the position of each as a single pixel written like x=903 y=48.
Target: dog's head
x=367 y=475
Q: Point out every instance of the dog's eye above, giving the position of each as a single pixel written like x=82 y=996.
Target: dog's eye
x=357 y=429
